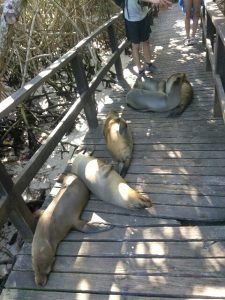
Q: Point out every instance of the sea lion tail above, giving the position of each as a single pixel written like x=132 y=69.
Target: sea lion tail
x=92 y=227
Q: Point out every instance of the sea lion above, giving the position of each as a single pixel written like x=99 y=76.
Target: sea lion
x=62 y=214
x=118 y=140
x=185 y=100
x=103 y=181
x=150 y=84
x=145 y=100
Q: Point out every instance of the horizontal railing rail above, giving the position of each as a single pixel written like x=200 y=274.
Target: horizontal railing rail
x=12 y=204
x=214 y=36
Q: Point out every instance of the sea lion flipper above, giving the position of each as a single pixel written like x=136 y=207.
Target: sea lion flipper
x=91 y=227
x=125 y=167
x=122 y=127
x=177 y=111
x=141 y=202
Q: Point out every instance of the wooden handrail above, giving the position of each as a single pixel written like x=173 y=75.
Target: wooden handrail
x=214 y=34
x=11 y=201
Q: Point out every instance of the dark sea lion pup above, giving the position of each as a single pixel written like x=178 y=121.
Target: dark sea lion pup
x=103 y=181
x=186 y=98
x=118 y=140
x=150 y=84
x=62 y=214
x=146 y=100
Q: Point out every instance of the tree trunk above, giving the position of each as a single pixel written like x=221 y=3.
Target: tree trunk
x=10 y=14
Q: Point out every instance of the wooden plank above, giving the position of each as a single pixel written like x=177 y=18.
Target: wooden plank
x=215 y=14
x=178 y=162
x=169 y=199
x=221 y=32
x=179 y=213
x=220 y=93
x=183 y=267
x=168 y=170
x=11 y=294
x=191 y=233
x=165 y=249
x=148 y=139
x=147 y=146
x=184 y=179
x=101 y=152
x=126 y=220
x=161 y=286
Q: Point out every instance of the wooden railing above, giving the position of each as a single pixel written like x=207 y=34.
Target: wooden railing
x=12 y=205
x=214 y=37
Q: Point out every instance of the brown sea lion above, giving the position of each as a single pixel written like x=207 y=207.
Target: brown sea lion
x=185 y=100
x=118 y=140
x=103 y=181
x=62 y=214
x=150 y=84
x=146 y=100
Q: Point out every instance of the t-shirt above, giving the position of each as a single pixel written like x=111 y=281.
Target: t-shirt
x=133 y=11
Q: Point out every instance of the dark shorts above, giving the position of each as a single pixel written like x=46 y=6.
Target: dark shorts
x=137 y=32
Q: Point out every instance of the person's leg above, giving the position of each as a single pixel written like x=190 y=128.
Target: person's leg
x=187 y=21
x=136 y=55
x=197 y=9
x=147 y=51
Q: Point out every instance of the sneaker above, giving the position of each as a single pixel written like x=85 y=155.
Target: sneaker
x=192 y=41
x=142 y=73
x=152 y=68
x=189 y=41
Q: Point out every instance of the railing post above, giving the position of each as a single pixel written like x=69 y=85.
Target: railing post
x=219 y=69
x=19 y=213
x=114 y=46
x=82 y=86
x=210 y=34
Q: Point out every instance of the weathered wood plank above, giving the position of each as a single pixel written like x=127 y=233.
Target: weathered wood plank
x=165 y=249
x=183 y=213
x=11 y=294
x=167 y=153
x=184 y=267
x=162 y=169
x=184 y=233
x=161 y=286
x=184 y=179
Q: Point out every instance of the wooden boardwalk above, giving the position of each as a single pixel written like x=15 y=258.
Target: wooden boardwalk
x=176 y=249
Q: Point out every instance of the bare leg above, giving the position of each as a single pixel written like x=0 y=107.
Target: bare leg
x=187 y=21
x=136 y=55
x=197 y=7
x=147 y=51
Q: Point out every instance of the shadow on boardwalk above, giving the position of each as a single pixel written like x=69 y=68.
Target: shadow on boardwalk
x=180 y=164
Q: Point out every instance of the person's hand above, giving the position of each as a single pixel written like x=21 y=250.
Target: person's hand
x=165 y=4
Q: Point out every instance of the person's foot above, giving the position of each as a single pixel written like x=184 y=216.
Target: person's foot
x=142 y=74
x=152 y=68
x=189 y=41
x=193 y=40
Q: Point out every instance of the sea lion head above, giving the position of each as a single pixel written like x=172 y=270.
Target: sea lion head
x=113 y=114
x=173 y=80
x=42 y=264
